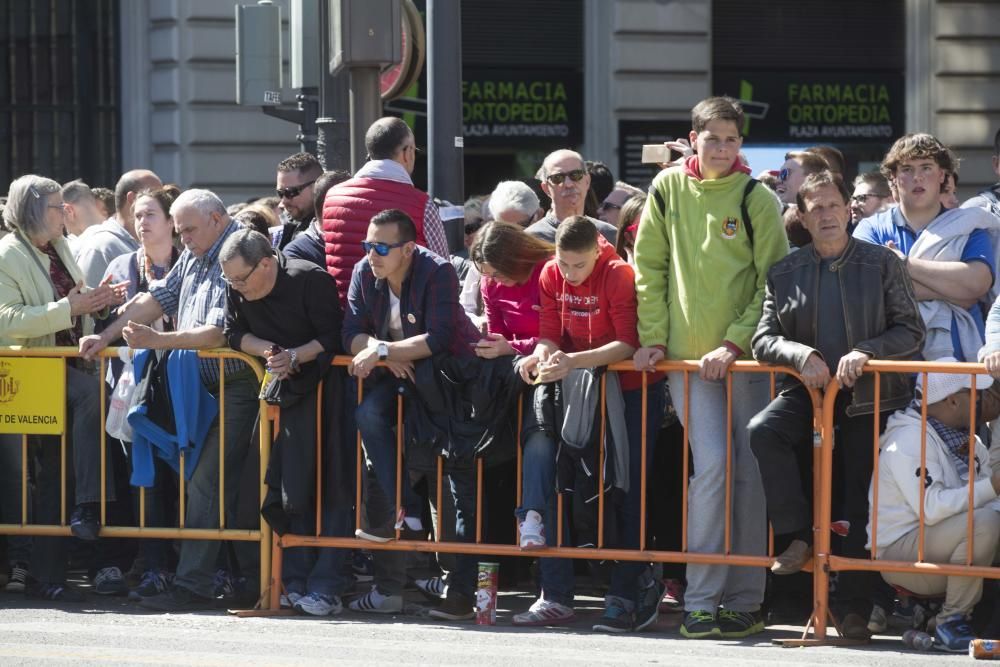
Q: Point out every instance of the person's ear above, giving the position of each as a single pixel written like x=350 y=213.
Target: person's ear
x=693 y=138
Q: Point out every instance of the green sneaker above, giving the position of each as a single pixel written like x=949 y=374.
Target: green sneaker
x=740 y=624
x=700 y=625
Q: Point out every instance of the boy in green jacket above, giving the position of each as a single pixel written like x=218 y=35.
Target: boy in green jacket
x=700 y=275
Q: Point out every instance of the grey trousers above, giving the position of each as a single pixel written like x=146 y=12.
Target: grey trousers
x=946 y=542
x=709 y=586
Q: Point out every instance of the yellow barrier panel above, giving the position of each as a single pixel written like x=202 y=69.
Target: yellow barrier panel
x=15 y=356
x=26 y=390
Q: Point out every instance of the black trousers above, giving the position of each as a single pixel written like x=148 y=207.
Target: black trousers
x=781 y=437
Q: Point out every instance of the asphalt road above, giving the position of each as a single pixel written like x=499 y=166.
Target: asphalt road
x=114 y=632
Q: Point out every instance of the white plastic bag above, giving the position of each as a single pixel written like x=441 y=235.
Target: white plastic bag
x=122 y=399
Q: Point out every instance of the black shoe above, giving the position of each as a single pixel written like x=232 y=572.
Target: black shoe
x=700 y=625
x=455 y=608
x=740 y=624
x=53 y=592
x=648 y=609
x=177 y=599
x=85 y=522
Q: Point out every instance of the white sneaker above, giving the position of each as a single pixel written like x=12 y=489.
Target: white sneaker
x=288 y=600
x=532 y=531
x=878 y=621
x=434 y=588
x=545 y=612
x=374 y=602
x=316 y=604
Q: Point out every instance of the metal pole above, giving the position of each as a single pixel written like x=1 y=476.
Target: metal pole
x=333 y=141
x=365 y=108
x=445 y=175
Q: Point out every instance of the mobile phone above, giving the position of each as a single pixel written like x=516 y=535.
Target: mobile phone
x=656 y=154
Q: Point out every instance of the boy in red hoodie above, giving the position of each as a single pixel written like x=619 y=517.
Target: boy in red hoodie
x=588 y=319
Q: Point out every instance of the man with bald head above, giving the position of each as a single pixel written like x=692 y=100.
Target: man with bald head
x=382 y=183
x=100 y=244
x=566 y=181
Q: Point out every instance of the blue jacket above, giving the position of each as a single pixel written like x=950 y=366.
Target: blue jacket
x=194 y=412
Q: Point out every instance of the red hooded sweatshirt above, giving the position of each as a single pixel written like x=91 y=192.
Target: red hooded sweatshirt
x=596 y=312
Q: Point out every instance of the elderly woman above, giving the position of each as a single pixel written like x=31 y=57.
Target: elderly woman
x=43 y=302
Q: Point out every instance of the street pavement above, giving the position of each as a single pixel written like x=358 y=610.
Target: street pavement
x=113 y=631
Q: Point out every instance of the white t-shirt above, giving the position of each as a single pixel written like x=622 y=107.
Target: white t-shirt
x=395 y=321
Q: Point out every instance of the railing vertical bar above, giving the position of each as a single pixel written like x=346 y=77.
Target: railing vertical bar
x=399 y=460
x=970 y=532
x=319 y=458
x=24 y=480
x=923 y=468
x=873 y=510
x=600 y=467
x=440 y=477
x=642 y=465
x=729 y=464
x=222 y=444
x=685 y=465
x=360 y=460
x=104 y=440
x=479 y=500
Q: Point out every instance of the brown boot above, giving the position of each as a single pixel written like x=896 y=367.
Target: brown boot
x=793 y=558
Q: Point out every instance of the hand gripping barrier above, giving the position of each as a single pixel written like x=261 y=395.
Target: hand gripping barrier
x=262 y=535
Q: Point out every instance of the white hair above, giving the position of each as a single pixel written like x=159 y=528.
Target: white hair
x=205 y=202
x=512 y=196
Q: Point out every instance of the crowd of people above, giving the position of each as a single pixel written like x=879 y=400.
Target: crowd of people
x=559 y=277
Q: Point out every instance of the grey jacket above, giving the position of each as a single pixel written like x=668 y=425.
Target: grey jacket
x=882 y=318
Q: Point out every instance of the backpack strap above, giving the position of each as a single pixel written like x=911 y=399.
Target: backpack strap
x=744 y=211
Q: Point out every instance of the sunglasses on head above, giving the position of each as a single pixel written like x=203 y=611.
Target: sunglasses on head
x=557 y=179
x=293 y=191
x=381 y=249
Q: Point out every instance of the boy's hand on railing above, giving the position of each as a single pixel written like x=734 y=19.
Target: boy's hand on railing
x=557 y=367
x=850 y=367
x=992 y=363
x=646 y=358
x=716 y=363
x=815 y=373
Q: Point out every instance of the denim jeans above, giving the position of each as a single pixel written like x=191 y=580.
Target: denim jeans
x=538 y=484
x=197 y=563
x=318 y=570
x=625 y=574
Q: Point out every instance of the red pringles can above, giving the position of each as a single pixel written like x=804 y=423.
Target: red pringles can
x=486 y=593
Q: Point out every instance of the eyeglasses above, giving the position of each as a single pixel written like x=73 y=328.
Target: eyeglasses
x=381 y=249
x=293 y=191
x=783 y=175
x=609 y=206
x=861 y=199
x=241 y=282
x=557 y=179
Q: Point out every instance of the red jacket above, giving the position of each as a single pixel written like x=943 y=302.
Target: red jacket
x=347 y=211
x=600 y=310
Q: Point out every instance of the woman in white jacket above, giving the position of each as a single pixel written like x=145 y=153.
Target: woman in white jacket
x=43 y=302
x=946 y=500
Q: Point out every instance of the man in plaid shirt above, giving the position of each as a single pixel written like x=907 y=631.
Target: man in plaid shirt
x=194 y=295
x=403 y=307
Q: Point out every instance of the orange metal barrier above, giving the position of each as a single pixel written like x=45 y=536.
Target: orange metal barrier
x=439 y=545
x=262 y=535
x=824 y=560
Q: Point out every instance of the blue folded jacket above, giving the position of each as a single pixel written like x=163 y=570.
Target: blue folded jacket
x=194 y=412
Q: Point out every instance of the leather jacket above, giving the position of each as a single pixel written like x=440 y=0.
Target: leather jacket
x=882 y=318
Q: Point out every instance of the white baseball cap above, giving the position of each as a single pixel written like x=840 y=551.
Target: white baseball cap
x=942 y=385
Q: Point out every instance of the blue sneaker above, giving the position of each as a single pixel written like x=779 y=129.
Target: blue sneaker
x=616 y=617
x=954 y=635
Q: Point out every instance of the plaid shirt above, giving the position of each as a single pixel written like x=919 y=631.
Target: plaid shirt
x=194 y=295
x=957 y=442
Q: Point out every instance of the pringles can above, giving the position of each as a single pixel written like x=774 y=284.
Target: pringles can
x=985 y=649
x=486 y=593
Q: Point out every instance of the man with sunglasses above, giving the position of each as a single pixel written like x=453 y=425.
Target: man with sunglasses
x=566 y=181
x=382 y=183
x=871 y=195
x=402 y=308
x=296 y=176
x=611 y=207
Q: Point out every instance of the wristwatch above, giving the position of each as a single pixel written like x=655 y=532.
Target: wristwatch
x=383 y=351
x=294 y=359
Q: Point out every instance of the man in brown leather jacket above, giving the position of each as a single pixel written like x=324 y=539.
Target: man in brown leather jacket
x=829 y=308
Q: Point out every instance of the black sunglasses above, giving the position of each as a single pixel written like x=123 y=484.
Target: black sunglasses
x=381 y=249
x=293 y=191
x=557 y=179
x=609 y=206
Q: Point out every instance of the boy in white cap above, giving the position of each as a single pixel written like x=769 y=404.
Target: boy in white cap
x=946 y=500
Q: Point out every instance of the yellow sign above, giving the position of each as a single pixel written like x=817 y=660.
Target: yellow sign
x=32 y=396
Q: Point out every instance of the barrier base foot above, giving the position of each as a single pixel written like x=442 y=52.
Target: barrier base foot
x=260 y=613
x=829 y=641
